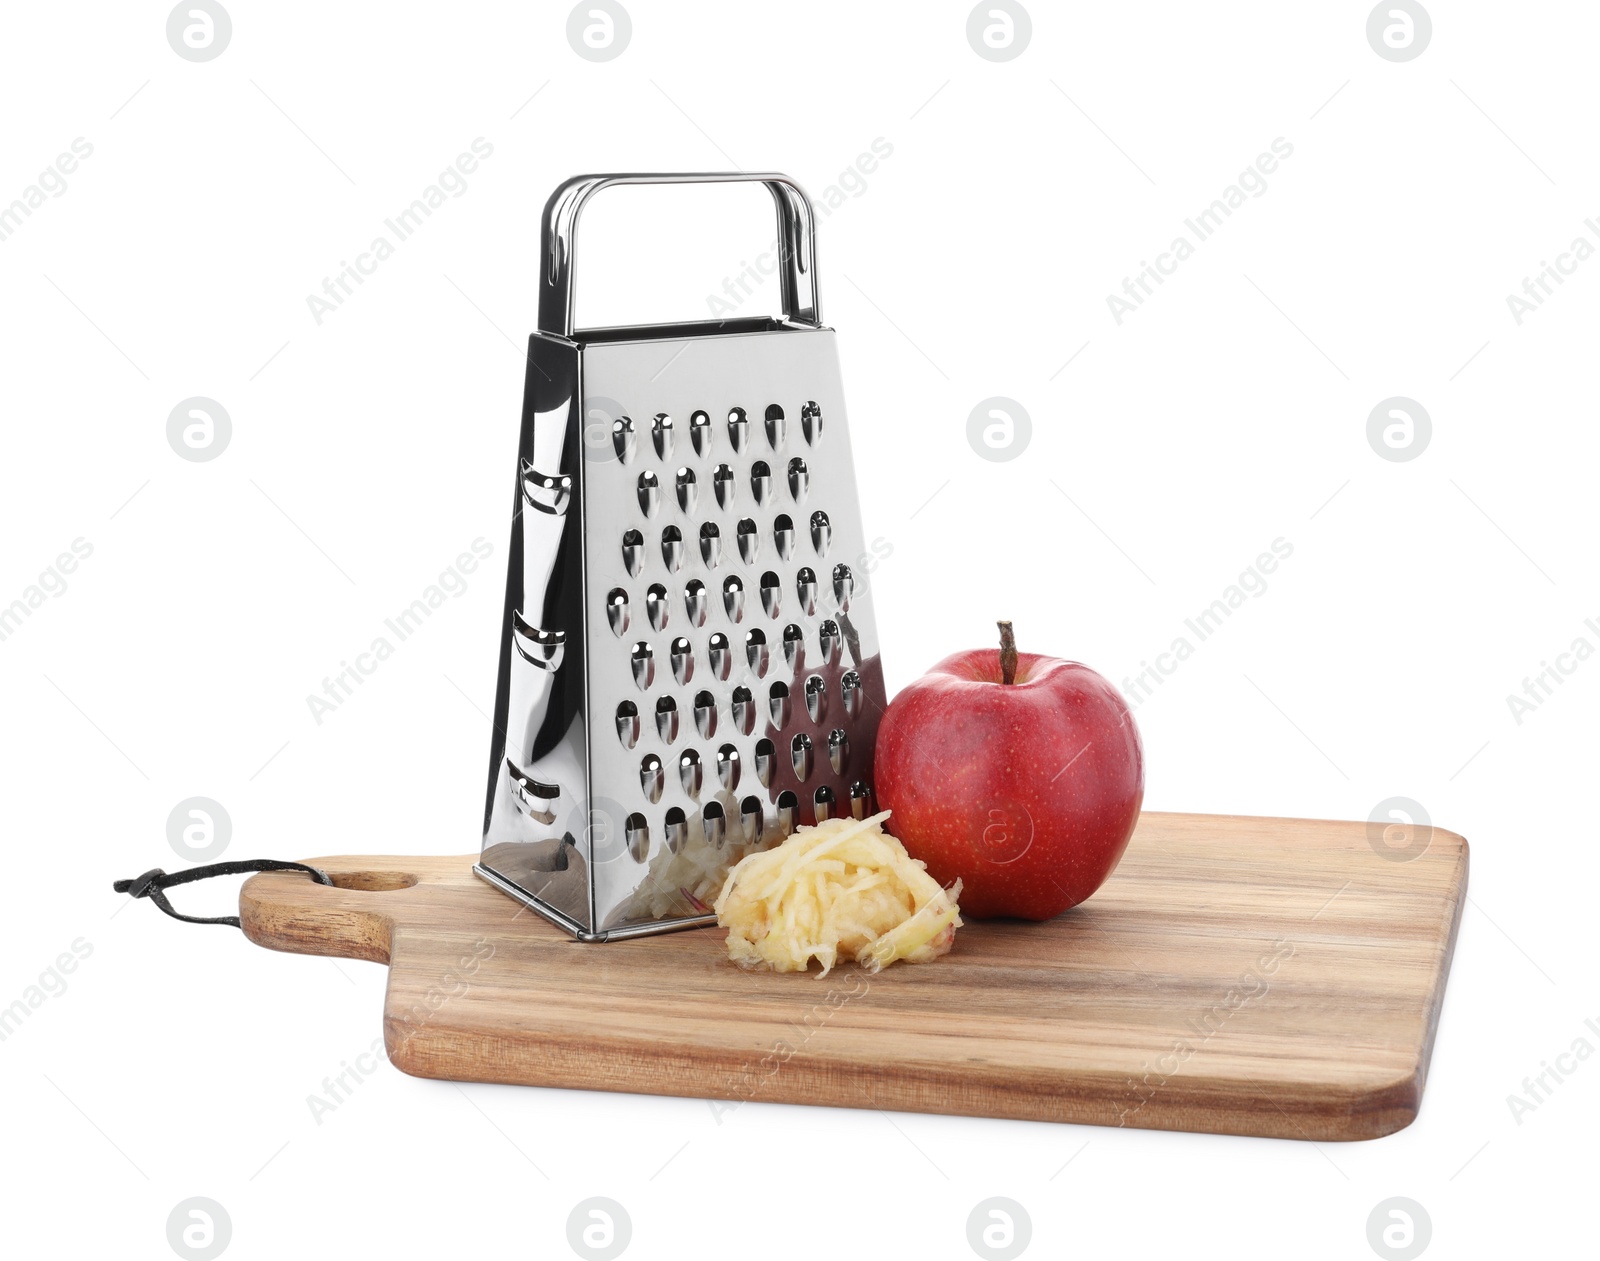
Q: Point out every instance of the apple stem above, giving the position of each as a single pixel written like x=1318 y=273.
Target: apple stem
x=1008 y=653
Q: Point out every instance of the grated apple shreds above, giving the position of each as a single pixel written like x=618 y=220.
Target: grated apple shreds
x=843 y=888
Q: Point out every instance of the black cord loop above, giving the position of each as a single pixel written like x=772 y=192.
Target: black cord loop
x=154 y=883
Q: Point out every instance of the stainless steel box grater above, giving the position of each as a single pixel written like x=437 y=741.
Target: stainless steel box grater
x=689 y=665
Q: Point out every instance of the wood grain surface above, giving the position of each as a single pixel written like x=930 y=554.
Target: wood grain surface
x=1274 y=977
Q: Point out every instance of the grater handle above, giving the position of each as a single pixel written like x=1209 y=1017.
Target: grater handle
x=797 y=256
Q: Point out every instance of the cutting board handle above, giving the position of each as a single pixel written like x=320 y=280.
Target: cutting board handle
x=352 y=919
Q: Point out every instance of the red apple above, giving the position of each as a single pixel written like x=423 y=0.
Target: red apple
x=1021 y=774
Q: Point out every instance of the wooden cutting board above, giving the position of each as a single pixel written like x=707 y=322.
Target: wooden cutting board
x=1275 y=977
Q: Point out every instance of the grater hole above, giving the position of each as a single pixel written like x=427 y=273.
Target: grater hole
x=705 y=714
x=628 y=724
x=720 y=655
x=655 y=605
x=801 y=756
x=772 y=593
x=530 y=796
x=783 y=535
x=715 y=821
x=777 y=427
x=733 y=597
x=690 y=772
x=682 y=659
x=755 y=651
x=622 y=438
x=742 y=709
x=750 y=819
x=816 y=698
x=738 y=429
x=749 y=540
x=805 y=585
x=821 y=532
x=788 y=805
x=722 y=484
x=828 y=639
x=811 y=423
x=652 y=778
x=851 y=691
x=667 y=719
x=661 y=434
x=649 y=493
x=728 y=767
x=844 y=587
x=823 y=802
x=687 y=495
x=617 y=611
x=710 y=544
x=766 y=755
x=672 y=548
x=695 y=602
x=633 y=552
x=860 y=800
x=778 y=704
x=700 y=432
x=644 y=665
x=677 y=829
x=638 y=836
x=793 y=644
x=839 y=750
x=799 y=480
x=761 y=481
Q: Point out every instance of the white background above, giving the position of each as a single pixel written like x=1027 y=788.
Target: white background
x=369 y=450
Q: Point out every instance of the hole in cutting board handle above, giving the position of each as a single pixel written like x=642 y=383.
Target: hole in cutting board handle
x=372 y=881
